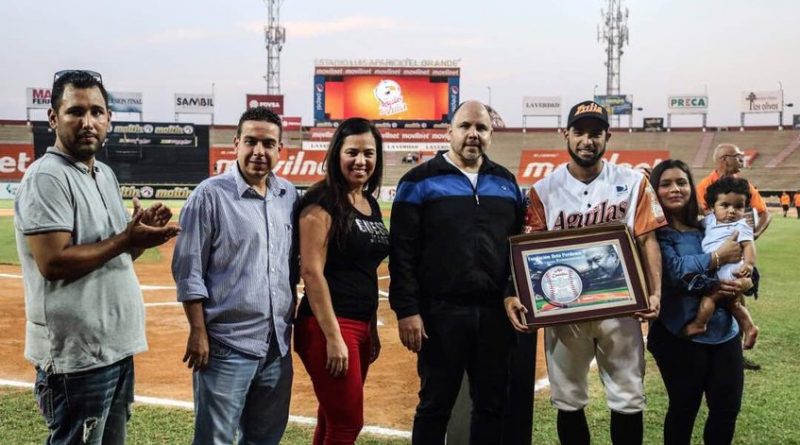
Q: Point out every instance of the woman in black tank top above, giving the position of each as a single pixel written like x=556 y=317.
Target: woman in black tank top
x=342 y=241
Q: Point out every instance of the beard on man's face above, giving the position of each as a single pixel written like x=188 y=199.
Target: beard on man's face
x=584 y=162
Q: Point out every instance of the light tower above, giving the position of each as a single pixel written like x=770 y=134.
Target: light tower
x=613 y=36
x=275 y=36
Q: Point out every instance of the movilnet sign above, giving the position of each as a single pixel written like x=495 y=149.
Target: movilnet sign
x=14 y=160
x=37 y=98
x=616 y=104
x=156 y=191
x=295 y=165
x=125 y=102
x=762 y=101
x=687 y=104
x=541 y=106
x=536 y=164
x=194 y=103
x=271 y=101
x=394 y=139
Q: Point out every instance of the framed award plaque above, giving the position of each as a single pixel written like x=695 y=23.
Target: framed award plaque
x=578 y=275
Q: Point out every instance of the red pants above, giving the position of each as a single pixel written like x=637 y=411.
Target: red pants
x=340 y=415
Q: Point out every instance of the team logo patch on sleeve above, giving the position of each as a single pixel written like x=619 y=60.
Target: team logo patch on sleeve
x=622 y=189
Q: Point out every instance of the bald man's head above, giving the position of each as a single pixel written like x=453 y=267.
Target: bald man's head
x=728 y=159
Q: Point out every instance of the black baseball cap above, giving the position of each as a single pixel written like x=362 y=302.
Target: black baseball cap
x=587 y=109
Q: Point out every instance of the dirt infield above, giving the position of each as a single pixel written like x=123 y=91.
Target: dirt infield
x=391 y=388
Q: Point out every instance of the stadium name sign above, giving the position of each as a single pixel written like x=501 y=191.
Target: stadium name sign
x=536 y=164
x=397 y=63
x=687 y=103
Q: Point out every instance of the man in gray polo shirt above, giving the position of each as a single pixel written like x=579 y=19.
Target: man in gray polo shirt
x=76 y=243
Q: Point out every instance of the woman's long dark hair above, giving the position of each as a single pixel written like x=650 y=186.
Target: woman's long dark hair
x=692 y=210
x=334 y=188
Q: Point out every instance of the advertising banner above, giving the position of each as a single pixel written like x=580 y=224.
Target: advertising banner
x=194 y=103
x=291 y=123
x=295 y=165
x=117 y=101
x=14 y=160
x=271 y=101
x=536 y=164
x=150 y=134
x=617 y=104
x=762 y=101
x=687 y=103
x=37 y=98
x=156 y=191
x=653 y=124
x=125 y=102
x=541 y=106
x=393 y=139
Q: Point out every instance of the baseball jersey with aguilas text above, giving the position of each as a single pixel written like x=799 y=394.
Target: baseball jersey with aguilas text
x=559 y=201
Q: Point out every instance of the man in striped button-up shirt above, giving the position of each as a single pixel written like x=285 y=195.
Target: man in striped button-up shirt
x=232 y=270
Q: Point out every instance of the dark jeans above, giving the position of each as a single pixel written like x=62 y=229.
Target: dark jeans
x=691 y=369
x=89 y=407
x=474 y=338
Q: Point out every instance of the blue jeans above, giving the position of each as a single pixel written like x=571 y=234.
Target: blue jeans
x=241 y=392
x=89 y=407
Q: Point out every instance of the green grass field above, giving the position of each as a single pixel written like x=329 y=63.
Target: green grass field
x=771 y=396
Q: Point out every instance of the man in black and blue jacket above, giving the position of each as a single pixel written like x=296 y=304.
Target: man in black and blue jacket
x=449 y=263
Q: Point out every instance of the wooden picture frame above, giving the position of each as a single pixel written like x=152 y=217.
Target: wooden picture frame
x=570 y=276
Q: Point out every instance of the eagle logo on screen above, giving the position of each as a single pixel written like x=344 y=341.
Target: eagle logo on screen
x=390 y=98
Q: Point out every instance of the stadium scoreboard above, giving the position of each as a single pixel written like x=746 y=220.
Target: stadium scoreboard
x=404 y=94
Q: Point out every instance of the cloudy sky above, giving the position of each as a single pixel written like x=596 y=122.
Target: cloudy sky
x=515 y=48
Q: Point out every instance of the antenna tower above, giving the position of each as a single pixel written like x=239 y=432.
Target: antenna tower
x=613 y=35
x=275 y=37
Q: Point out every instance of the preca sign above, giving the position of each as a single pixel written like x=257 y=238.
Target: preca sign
x=393 y=139
x=688 y=103
x=536 y=164
x=295 y=165
x=14 y=160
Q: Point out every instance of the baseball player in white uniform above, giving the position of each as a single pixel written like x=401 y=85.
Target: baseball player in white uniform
x=589 y=191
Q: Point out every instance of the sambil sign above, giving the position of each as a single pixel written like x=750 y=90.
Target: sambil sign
x=14 y=160
x=194 y=103
x=536 y=164
x=687 y=103
x=295 y=165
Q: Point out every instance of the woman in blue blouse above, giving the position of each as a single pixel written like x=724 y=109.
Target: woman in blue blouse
x=710 y=363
